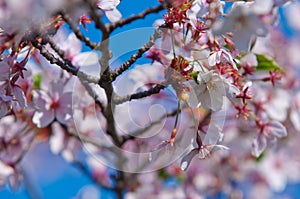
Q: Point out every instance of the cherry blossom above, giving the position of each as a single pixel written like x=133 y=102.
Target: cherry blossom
x=210 y=90
x=268 y=134
x=52 y=104
x=110 y=10
x=244 y=24
x=213 y=111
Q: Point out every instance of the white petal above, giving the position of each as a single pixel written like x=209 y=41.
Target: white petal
x=113 y=15
x=259 y=145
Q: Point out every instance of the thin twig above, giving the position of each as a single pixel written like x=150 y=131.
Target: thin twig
x=132 y=18
x=96 y=16
x=137 y=55
x=77 y=31
x=53 y=60
x=59 y=51
x=154 y=90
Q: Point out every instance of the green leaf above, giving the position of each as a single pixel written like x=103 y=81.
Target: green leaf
x=227 y=47
x=163 y=174
x=266 y=63
x=195 y=76
x=37 y=81
x=260 y=157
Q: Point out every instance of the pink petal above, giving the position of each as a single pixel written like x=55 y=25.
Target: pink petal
x=56 y=89
x=65 y=99
x=259 y=145
x=42 y=119
x=41 y=100
x=20 y=96
x=64 y=114
x=3 y=109
x=277 y=129
x=57 y=139
x=4 y=71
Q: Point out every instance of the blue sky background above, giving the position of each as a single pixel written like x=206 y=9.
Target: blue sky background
x=50 y=176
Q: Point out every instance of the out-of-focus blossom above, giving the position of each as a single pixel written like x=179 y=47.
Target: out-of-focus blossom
x=268 y=135
x=295 y=112
x=292 y=13
x=52 y=104
x=244 y=24
x=99 y=171
x=62 y=143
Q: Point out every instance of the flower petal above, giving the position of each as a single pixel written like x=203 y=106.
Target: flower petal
x=113 y=15
x=42 y=119
x=259 y=145
x=277 y=129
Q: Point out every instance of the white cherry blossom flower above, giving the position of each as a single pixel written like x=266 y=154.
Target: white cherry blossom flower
x=210 y=90
x=110 y=10
x=220 y=57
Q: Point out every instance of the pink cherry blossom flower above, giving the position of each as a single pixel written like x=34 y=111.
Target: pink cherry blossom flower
x=52 y=104
x=278 y=169
x=62 y=143
x=5 y=102
x=4 y=70
x=268 y=135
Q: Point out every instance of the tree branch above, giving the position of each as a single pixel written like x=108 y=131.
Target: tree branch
x=77 y=31
x=53 y=60
x=96 y=16
x=154 y=90
x=137 y=55
x=132 y=18
x=60 y=52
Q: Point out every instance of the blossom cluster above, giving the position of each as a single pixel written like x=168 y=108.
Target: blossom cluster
x=218 y=96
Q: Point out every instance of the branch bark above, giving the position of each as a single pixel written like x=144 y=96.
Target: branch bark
x=154 y=90
x=77 y=31
x=75 y=71
x=132 y=18
x=137 y=55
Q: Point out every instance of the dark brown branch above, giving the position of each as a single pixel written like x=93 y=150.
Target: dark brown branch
x=137 y=55
x=59 y=51
x=154 y=90
x=132 y=18
x=81 y=75
x=77 y=32
x=96 y=16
